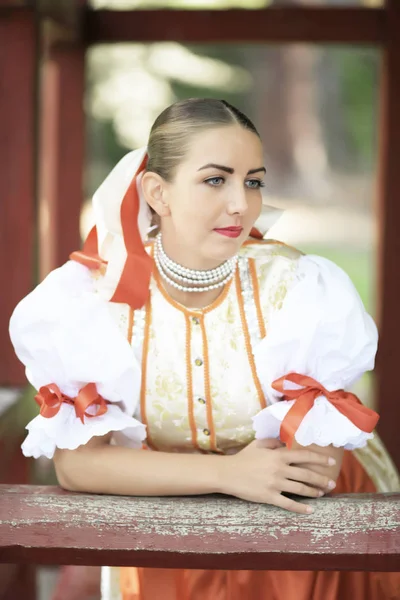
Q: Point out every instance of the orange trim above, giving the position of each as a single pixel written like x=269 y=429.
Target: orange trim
x=130 y=324
x=256 y=295
x=248 y=341
x=184 y=309
x=189 y=382
x=210 y=421
x=145 y=353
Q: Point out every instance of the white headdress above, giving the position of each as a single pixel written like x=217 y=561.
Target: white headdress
x=116 y=242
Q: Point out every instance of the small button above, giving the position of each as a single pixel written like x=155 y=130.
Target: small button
x=201 y=400
x=195 y=320
x=206 y=431
x=198 y=362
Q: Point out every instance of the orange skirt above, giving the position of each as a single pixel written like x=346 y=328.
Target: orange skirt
x=185 y=584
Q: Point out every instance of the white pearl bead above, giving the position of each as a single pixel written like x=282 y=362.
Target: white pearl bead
x=204 y=280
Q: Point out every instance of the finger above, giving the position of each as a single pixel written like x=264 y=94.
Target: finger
x=300 y=489
x=310 y=477
x=291 y=505
x=307 y=456
x=270 y=443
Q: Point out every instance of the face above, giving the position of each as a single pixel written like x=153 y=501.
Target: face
x=209 y=208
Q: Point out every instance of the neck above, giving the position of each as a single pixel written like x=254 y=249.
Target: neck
x=195 y=288
x=186 y=257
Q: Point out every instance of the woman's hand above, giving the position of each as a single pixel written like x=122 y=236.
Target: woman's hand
x=265 y=468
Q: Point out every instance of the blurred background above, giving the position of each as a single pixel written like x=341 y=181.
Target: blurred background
x=316 y=107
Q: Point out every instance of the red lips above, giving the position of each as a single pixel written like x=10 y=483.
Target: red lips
x=232 y=232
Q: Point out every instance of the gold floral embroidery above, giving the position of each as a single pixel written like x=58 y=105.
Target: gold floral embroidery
x=168 y=386
x=232 y=389
x=278 y=295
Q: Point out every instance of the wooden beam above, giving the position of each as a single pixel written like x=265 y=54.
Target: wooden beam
x=7 y=4
x=18 y=56
x=273 y=25
x=65 y=12
x=388 y=360
x=61 y=154
x=61 y=20
x=46 y=525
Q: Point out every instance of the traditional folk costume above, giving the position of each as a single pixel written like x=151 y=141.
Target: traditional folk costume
x=110 y=351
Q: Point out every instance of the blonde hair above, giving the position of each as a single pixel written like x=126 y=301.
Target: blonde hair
x=174 y=128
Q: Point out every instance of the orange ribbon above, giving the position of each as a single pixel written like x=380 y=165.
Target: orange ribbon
x=348 y=404
x=134 y=283
x=50 y=399
x=89 y=256
x=256 y=233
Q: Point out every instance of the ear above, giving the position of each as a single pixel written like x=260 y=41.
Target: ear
x=154 y=188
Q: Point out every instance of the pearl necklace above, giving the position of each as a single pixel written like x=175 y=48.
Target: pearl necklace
x=203 y=280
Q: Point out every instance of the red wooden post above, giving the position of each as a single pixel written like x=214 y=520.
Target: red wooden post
x=17 y=582
x=18 y=49
x=61 y=155
x=389 y=238
x=18 y=64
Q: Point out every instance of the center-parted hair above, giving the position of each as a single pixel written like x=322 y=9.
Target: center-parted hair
x=172 y=131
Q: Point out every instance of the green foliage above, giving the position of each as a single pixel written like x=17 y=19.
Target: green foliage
x=358 y=80
x=359 y=265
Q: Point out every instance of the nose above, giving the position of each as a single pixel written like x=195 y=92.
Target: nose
x=237 y=203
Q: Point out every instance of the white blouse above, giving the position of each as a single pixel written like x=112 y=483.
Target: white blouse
x=197 y=380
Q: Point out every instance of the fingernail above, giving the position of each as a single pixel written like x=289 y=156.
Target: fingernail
x=331 y=484
x=310 y=509
x=320 y=493
x=331 y=461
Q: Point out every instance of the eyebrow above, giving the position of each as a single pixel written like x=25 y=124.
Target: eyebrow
x=229 y=169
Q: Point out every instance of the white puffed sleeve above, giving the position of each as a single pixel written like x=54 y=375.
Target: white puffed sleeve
x=64 y=334
x=322 y=331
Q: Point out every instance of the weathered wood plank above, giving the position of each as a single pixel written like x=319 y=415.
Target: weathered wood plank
x=11 y=4
x=279 y=25
x=47 y=525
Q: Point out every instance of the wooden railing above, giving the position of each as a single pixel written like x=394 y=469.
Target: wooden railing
x=46 y=525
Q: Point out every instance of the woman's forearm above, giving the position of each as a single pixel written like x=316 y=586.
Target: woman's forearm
x=109 y=469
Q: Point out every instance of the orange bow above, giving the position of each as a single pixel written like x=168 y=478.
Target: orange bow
x=50 y=400
x=348 y=404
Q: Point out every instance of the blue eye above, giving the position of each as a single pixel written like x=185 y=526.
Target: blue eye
x=255 y=184
x=215 y=181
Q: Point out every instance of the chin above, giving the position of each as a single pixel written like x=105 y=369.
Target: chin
x=227 y=249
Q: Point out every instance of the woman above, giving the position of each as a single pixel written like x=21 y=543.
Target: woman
x=187 y=346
